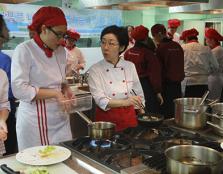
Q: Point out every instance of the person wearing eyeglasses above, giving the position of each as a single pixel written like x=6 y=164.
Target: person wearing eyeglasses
x=75 y=58
x=113 y=80
x=38 y=81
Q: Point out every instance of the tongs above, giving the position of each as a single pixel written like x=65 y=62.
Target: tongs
x=8 y=170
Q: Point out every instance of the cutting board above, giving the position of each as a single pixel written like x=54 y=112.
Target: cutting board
x=53 y=169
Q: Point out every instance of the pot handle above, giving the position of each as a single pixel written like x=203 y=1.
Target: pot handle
x=214 y=125
x=84 y=117
x=8 y=170
x=191 y=111
x=213 y=115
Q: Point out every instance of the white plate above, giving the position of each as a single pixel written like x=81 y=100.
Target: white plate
x=31 y=156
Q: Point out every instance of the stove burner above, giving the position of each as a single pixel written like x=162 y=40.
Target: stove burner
x=101 y=143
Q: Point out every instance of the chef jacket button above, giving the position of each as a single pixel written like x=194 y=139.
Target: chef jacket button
x=113 y=94
x=122 y=69
x=110 y=82
x=123 y=81
x=126 y=93
x=107 y=70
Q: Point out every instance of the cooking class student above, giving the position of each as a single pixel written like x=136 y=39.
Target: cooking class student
x=147 y=67
x=173 y=25
x=75 y=58
x=215 y=80
x=4 y=109
x=38 y=81
x=112 y=79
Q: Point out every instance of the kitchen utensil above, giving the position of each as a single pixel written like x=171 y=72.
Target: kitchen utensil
x=189 y=113
x=203 y=98
x=8 y=170
x=192 y=159
x=142 y=105
x=99 y=129
x=150 y=119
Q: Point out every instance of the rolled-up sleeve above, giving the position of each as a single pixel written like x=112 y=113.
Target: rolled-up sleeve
x=4 y=86
x=20 y=80
x=96 y=88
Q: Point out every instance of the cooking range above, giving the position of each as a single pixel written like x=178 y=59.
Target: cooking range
x=138 y=149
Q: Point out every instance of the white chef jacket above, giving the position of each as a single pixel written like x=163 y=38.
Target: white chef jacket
x=74 y=57
x=108 y=82
x=4 y=103
x=176 y=37
x=39 y=122
x=215 y=80
x=199 y=63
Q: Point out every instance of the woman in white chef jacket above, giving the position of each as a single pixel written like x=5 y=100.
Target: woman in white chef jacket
x=38 y=73
x=215 y=80
x=4 y=109
x=112 y=79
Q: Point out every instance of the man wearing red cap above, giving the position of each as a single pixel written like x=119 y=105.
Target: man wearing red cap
x=173 y=24
x=198 y=64
x=38 y=81
x=75 y=58
x=215 y=81
x=148 y=68
x=171 y=58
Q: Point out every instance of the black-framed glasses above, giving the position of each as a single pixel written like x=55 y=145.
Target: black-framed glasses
x=58 y=35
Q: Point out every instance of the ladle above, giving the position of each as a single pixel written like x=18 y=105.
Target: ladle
x=204 y=97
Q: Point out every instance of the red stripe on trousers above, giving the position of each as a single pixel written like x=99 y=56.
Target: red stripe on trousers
x=47 y=137
x=43 y=129
x=38 y=116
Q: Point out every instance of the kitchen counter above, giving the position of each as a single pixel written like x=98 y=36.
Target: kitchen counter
x=76 y=164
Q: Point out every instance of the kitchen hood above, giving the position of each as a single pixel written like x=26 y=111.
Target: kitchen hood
x=213 y=7
x=17 y=1
x=135 y=4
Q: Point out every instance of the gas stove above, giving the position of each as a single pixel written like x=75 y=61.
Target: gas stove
x=138 y=149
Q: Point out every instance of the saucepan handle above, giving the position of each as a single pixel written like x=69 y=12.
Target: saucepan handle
x=8 y=170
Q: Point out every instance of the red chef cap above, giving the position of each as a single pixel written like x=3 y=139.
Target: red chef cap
x=213 y=34
x=173 y=23
x=189 y=33
x=140 y=33
x=49 y=16
x=158 y=28
x=73 y=34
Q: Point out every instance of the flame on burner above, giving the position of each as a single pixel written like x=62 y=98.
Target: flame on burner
x=100 y=143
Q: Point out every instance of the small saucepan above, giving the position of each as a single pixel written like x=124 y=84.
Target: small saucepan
x=150 y=119
x=98 y=130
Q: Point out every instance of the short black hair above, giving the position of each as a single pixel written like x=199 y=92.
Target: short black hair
x=2 y=23
x=192 y=38
x=120 y=33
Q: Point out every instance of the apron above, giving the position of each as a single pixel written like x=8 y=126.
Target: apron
x=123 y=117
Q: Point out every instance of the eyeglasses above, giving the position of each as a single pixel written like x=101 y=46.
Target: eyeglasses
x=109 y=43
x=58 y=35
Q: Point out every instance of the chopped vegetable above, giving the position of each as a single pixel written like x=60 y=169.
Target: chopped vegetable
x=47 y=151
x=35 y=170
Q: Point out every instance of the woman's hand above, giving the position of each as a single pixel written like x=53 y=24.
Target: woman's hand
x=160 y=98
x=135 y=101
x=3 y=130
x=67 y=92
x=64 y=101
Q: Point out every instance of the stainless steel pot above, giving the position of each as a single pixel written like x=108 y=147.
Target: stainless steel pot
x=191 y=159
x=98 y=130
x=189 y=113
x=217 y=118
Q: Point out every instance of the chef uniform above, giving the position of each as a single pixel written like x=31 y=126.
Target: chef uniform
x=174 y=23
x=199 y=63
x=107 y=82
x=4 y=103
x=147 y=66
x=74 y=55
x=39 y=122
x=215 y=80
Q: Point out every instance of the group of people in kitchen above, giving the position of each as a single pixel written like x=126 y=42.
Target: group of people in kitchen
x=136 y=71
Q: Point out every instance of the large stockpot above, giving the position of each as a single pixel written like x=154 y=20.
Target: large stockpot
x=192 y=159
x=98 y=130
x=189 y=113
x=217 y=117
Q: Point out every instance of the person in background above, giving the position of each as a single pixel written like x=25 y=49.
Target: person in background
x=148 y=68
x=199 y=63
x=4 y=109
x=38 y=81
x=171 y=58
x=173 y=24
x=215 y=80
x=75 y=58
x=112 y=80
x=5 y=64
